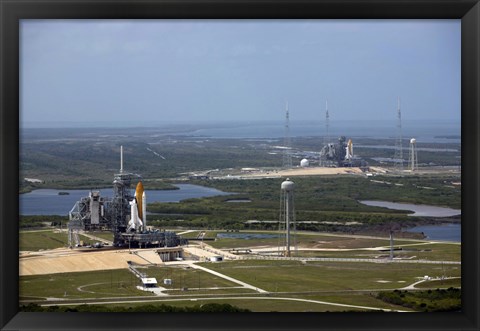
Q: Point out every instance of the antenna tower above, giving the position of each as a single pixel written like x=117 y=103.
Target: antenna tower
x=287 y=158
x=398 y=157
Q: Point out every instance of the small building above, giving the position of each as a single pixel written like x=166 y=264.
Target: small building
x=194 y=176
x=216 y=258
x=149 y=282
x=249 y=169
x=34 y=180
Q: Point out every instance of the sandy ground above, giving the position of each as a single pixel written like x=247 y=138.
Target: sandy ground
x=58 y=261
x=305 y=172
x=66 y=260
x=318 y=171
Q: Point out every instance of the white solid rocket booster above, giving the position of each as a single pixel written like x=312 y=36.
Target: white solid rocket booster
x=349 y=150
x=144 y=210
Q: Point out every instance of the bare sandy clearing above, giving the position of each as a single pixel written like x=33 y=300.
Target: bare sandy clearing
x=306 y=172
x=76 y=262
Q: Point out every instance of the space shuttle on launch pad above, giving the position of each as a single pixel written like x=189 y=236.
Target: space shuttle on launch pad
x=349 y=150
x=138 y=210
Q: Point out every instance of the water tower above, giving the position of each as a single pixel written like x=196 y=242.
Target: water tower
x=287 y=214
x=413 y=160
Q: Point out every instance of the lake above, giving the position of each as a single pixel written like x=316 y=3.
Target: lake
x=49 y=202
x=445 y=232
x=418 y=210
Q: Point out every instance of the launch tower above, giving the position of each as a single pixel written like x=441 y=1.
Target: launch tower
x=119 y=206
x=124 y=214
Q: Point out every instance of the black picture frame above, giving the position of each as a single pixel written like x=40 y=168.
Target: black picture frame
x=11 y=11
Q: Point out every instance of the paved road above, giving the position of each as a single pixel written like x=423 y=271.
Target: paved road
x=339 y=259
x=412 y=286
x=231 y=298
x=228 y=278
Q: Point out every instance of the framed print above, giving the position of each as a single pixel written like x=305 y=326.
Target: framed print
x=239 y=165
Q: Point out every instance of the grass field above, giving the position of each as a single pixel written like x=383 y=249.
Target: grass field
x=335 y=282
x=455 y=282
x=295 y=276
x=431 y=252
x=104 y=235
x=312 y=240
x=434 y=252
x=121 y=282
x=417 y=250
x=92 y=284
x=44 y=239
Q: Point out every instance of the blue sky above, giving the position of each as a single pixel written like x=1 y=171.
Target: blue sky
x=162 y=71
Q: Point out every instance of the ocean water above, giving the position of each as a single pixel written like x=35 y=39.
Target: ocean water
x=423 y=131
x=426 y=131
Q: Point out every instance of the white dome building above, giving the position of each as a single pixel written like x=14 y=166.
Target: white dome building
x=304 y=163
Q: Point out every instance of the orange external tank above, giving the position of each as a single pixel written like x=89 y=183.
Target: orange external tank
x=138 y=196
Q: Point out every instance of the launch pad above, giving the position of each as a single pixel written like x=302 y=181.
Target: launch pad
x=124 y=214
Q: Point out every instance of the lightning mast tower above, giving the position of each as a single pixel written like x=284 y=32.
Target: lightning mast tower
x=327 y=125
x=287 y=158
x=398 y=157
x=413 y=159
x=287 y=216
x=326 y=138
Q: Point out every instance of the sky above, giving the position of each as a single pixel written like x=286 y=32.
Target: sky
x=162 y=71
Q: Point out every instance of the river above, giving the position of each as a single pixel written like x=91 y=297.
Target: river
x=49 y=202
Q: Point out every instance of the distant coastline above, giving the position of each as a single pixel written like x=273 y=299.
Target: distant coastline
x=425 y=131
